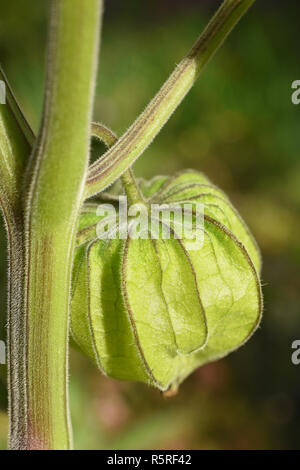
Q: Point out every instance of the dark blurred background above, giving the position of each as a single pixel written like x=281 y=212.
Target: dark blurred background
x=239 y=126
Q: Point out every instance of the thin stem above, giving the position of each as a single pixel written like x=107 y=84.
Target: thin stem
x=134 y=142
x=104 y=134
x=133 y=193
x=22 y=165
x=16 y=334
x=55 y=197
x=131 y=188
x=15 y=148
x=15 y=109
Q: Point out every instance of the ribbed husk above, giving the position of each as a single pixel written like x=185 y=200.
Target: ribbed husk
x=154 y=310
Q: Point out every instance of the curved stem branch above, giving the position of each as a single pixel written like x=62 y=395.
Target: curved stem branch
x=13 y=106
x=134 y=142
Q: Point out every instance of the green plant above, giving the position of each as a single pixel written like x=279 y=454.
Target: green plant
x=44 y=182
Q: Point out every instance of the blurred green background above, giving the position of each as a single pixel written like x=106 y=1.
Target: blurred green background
x=238 y=125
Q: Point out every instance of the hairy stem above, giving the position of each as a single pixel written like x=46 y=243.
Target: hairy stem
x=131 y=188
x=109 y=138
x=16 y=335
x=60 y=161
x=133 y=143
x=20 y=120
x=16 y=139
x=15 y=146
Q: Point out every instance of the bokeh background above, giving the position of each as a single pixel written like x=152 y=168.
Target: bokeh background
x=239 y=126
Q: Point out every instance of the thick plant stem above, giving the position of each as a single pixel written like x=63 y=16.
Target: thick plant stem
x=60 y=162
x=134 y=142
